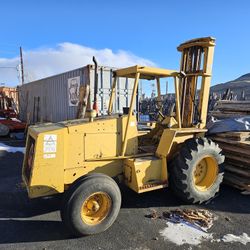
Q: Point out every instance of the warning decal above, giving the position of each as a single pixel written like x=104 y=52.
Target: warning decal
x=49 y=144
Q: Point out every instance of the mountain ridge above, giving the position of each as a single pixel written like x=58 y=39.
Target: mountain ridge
x=237 y=86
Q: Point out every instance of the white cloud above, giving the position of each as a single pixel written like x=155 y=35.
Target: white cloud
x=40 y=63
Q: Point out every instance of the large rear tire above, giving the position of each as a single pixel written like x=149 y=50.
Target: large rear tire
x=91 y=205
x=196 y=172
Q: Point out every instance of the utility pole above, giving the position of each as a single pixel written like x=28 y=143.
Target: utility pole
x=21 y=60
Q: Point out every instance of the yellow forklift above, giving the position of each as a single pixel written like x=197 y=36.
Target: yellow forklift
x=84 y=159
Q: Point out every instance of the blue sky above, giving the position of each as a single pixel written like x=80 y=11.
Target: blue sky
x=147 y=29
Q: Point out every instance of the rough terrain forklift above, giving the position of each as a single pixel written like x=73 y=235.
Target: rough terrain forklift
x=85 y=158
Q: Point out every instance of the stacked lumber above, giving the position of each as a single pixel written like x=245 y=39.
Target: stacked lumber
x=236 y=148
x=230 y=109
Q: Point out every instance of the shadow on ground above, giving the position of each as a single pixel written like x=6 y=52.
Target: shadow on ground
x=14 y=231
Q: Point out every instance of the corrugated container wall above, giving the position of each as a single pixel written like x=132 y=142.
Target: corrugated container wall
x=48 y=99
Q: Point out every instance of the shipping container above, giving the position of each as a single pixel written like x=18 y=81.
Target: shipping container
x=56 y=98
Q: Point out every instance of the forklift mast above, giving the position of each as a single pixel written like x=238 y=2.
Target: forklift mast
x=196 y=69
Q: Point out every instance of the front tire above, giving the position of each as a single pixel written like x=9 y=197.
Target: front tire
x=91 y=205
x=196 y=172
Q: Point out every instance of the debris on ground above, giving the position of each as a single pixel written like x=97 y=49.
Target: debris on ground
x=186 y=226
x=199 y=218
x=152 y=215
x=155 y=238
x=190 y=226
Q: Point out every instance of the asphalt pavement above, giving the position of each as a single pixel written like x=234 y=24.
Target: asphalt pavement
x=36 y=224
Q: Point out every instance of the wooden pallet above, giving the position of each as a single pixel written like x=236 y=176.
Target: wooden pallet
x=236 y=181
x=231 y=109
x=244 y=172
x=236 y=148
x=236 y=136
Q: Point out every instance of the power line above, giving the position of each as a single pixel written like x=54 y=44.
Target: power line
x=9 y=67
x=17 y=68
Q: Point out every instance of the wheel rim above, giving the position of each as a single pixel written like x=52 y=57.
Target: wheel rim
x=205 y=173
x=95 y=208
